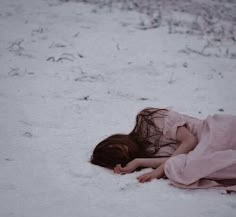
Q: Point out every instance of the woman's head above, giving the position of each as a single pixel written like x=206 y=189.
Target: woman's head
x=116 y=149
x=143 y=141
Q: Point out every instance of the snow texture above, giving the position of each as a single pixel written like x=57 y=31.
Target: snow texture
x=72 y=74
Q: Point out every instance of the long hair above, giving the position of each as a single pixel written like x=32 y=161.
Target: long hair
x=116 y=149
x=142 y=142
x=146 y=133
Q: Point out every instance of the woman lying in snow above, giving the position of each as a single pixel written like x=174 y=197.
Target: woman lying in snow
x=190 y=152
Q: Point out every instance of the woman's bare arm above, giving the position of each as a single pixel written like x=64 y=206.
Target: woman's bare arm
x=139 y=162
x=186 y=139
x=151 y=162
x=187 y=143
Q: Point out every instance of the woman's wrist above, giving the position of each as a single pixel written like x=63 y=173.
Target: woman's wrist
x=160 y=171
x=138 y=162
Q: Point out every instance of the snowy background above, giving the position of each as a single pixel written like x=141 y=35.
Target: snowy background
x=73 y=73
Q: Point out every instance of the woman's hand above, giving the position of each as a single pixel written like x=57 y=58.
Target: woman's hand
x=129 y=168
x=154 y=174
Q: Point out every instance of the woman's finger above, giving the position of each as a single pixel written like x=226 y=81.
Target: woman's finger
x=117 y=168
x=140 y=178
x=123 y=169
x=145 y=178
x=120 y=170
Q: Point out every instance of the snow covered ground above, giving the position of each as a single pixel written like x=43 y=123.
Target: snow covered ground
x=70 y=75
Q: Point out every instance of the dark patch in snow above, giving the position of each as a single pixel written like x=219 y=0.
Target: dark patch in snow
x=80 y=55
x=14 y=72
x=57 y=45
x=143 y=99
x=76 y=34
x=28 y=134
x=8 y=159
x=221 y=75
x=65 y=56
x=89 y=78
x=85 y=98
x=185 y=65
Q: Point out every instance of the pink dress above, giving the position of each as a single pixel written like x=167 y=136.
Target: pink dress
x=212 y=164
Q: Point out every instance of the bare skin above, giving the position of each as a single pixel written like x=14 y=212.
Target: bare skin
x=187 y=142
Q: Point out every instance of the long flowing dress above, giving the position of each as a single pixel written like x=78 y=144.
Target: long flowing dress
x=212 y=164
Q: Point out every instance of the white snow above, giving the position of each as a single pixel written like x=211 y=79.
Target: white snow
x=69 y=77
